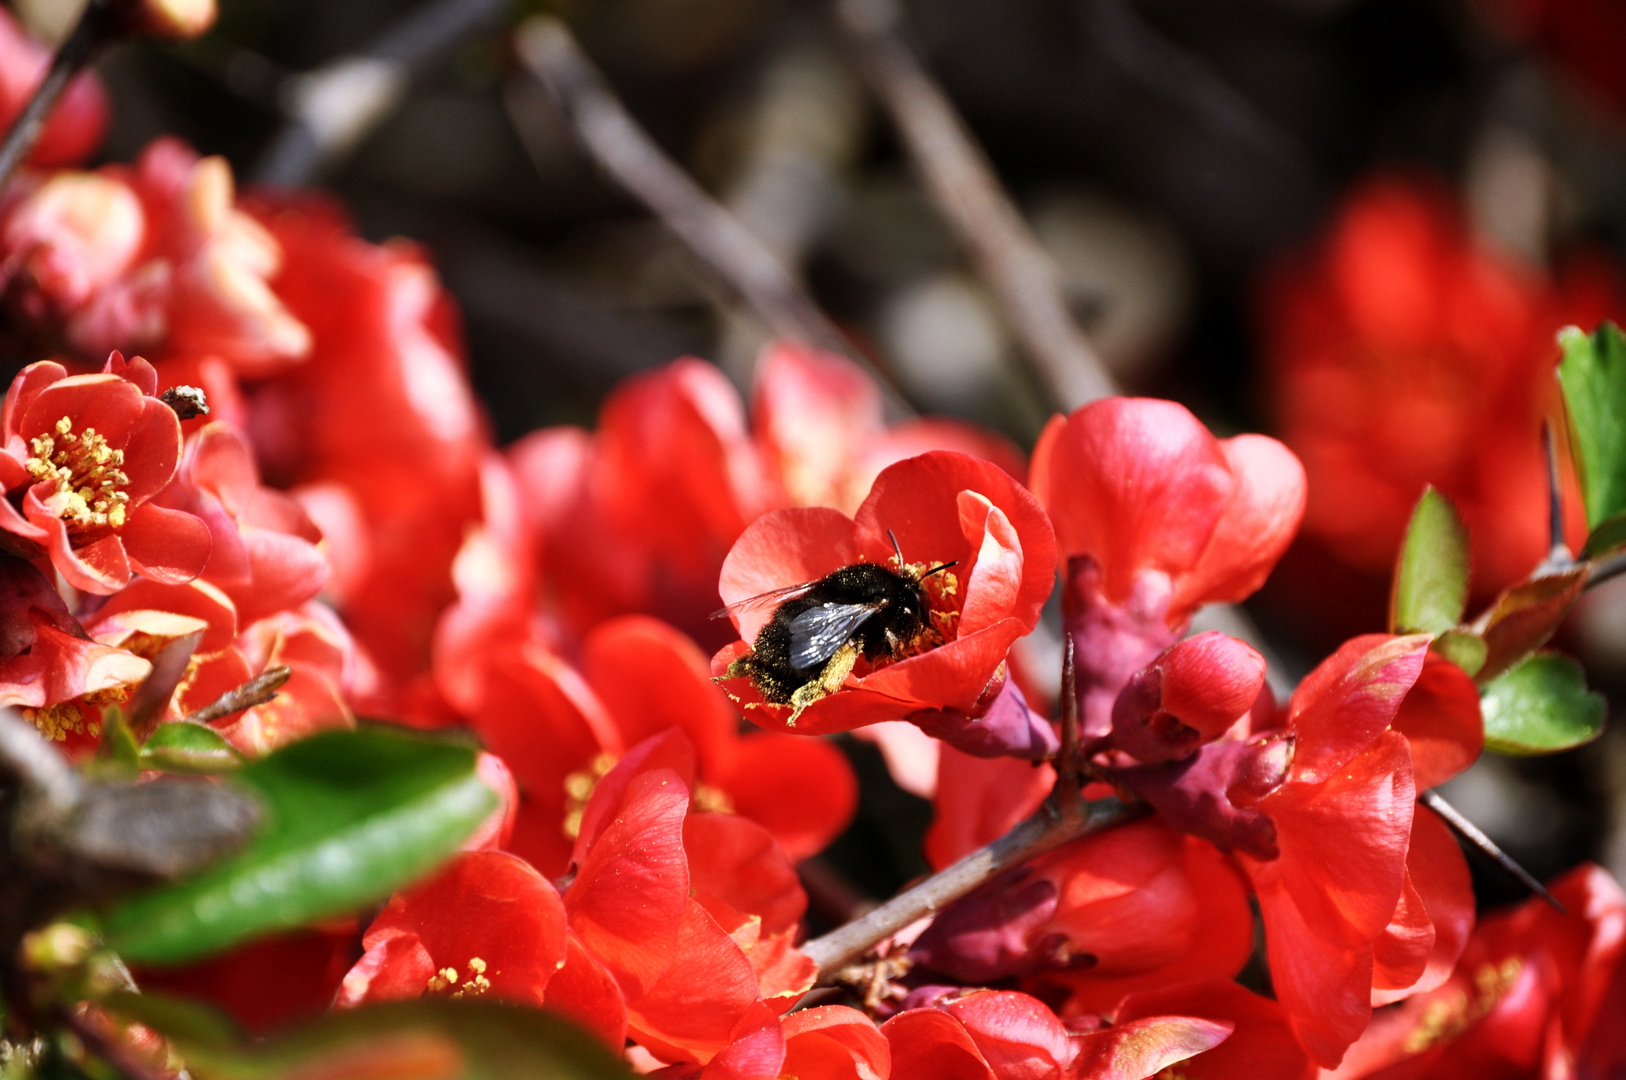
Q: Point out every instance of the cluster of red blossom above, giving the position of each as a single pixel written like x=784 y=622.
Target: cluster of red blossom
x=342 y=511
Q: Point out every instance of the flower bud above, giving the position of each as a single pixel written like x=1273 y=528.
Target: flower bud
x=1189 y=695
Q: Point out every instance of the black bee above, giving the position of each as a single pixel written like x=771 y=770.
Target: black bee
x=820 y=628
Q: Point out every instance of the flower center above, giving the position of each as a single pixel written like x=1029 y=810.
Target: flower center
x=88 y=475
x=446 y=978
x=57 y=722
x=579 y=787
x=1449 y=1017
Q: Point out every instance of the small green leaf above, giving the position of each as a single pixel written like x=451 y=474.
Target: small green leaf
x=1607 y=537
x=1431 y=581
x=1540 y=707
x=429 y=1038
x=349 y=817
x=1465 y=649
x=189 y=748
x=1593 y=376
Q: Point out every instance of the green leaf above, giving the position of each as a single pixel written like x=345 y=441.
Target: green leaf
x=350 y=817
x=189 y=748
x=1540 y=707
x=1525 y=616
x=429 y=1039
x=1593 y=376
x=1465 y=649
x=1607 y=537
x=1431 y=582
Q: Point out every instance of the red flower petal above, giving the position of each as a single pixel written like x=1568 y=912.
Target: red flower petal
x=929 y=1044
x=1256 y=527
x=833 y=1042
x=628 y=898
x=1134 y=483
x=1144 y=1048
x=784 y=547
x=691 y=1011
x=1349 y=699
x=1262 y=1045
x=1441 y=721
x=734 y=864
x=168 y=546
x=801 y=790
x=585 y=991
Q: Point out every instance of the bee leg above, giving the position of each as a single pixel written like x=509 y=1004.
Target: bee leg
x=828 y=681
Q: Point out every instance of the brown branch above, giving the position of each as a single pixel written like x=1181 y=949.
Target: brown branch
x=1068 y=779
x=1606 y=571
x=1476 y=836
x=631 y=157
x=963 y=185
x=1046 y=830
x=96 y=24
x=257 y=691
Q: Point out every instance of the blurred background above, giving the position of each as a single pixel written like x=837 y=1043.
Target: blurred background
x=1353 y=224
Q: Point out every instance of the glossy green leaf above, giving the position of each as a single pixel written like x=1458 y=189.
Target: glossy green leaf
x=1593 y=376
x=427 y=1039
x=349 y=817
x=1540 y=707
x=189 y=748
x=1431 y=581
x=1608 y=537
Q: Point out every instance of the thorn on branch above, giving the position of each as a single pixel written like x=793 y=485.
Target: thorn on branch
x=257 y=691
x=1475 y=836
x=1558 y=553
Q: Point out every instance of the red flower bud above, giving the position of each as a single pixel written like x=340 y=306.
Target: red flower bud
x=1191 y=694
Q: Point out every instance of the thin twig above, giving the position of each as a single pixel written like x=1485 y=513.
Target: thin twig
x=1475 y=836
x=1046 y=830
x=1067 y=766
x=1558 y=552
x=1606 y=571
x=94 y=26
x=330 y=110
x=961 y=182
x=257 y=691
x=626 y=152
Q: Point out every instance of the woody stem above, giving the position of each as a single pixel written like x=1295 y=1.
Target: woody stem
x=1046 y=830
x=93 y=27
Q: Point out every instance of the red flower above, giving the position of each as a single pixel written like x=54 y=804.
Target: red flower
x=648 y=911
x=82 y=457
x=1403 y=353
x=49 y=667
x=561 y=728
x=381 y=415
x=1537 y=993
x=1140 y=906
x=486 y=924
x=264 y=554
x=1193 y=693
x=1364 y=901
x=943 y=507
x=637 y=516
x=1156 y=517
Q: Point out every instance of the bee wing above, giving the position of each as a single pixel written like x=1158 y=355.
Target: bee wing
x=771 y=598
x=818 y=632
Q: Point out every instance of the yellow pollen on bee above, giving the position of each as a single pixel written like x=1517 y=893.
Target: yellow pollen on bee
x=88 y=475
x=446 y=978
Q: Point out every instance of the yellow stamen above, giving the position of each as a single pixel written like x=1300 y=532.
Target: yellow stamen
x=446 y=978
x=579 y=787
x=88 y=476
x=57 y=722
